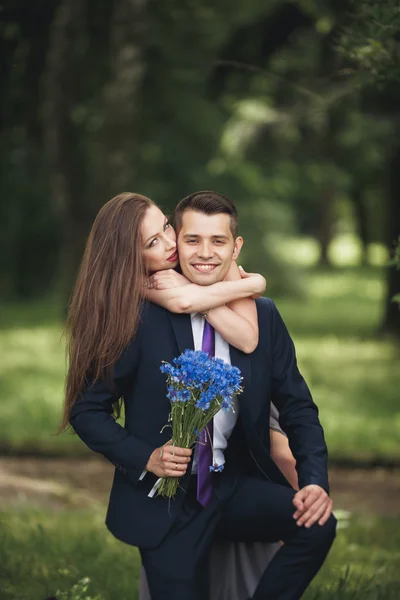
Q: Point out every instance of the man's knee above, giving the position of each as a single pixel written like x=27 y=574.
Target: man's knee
x=324 y=535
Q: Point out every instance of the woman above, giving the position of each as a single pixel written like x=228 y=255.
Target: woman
x=130 y=256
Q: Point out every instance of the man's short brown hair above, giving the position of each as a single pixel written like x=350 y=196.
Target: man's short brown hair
x=208 y=203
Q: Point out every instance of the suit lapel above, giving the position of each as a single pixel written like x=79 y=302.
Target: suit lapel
x=182 y=327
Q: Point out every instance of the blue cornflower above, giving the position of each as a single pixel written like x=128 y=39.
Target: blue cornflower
x=194 y=374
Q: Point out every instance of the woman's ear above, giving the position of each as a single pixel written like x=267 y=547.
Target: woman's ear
x=237 y=247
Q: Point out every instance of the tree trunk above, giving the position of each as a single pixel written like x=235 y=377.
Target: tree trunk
x=361 y=214
x=391 y=320
x=63 y=138
x=122 y=94
x=325 y=224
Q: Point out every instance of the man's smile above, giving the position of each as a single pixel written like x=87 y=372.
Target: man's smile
x=204 y=267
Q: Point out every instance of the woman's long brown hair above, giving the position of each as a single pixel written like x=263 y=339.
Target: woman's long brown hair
x=105 y=304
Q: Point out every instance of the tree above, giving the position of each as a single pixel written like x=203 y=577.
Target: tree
x=371 y=44
x=123 y=95
x=64 y=136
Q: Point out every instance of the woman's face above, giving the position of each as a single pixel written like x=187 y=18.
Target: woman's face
x=159 y=241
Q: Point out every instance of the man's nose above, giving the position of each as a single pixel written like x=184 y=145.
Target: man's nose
x=205 y=251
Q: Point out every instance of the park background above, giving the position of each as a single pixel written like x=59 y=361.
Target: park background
x=292 y=109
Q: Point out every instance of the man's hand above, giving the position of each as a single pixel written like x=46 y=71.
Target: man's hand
x=169 y=461
x=260 y=283
x=312 y=504
x=164 y=280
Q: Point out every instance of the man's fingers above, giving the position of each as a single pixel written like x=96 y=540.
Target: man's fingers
x=308 y=501
x=298 y=503
x=326 y=514
x=171 y=458
x=313 y=496
x=309 y=514
x=303 y=501
x=176 y=451
x=173 y=473
x=316 y=516
x=175 y=469
x=162 y=449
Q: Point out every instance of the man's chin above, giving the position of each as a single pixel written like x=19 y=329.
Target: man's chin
x=204 y=278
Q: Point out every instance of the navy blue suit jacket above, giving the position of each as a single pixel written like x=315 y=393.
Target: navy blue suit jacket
x=270 y=373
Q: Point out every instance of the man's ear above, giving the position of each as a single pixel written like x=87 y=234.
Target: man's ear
x=237 y=247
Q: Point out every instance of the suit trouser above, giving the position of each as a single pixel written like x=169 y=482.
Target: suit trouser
x=257 y=510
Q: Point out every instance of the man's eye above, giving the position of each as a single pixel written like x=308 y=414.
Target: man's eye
x=191 y=241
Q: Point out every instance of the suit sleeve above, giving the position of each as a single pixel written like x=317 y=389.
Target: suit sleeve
x=92 y=419
x=298 y=414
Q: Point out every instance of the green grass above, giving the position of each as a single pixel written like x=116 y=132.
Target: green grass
x=354 y=376
x=43 y=552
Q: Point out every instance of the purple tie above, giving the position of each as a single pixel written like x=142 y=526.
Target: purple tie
x=205 y=453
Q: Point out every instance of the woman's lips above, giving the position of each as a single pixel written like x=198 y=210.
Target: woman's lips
x=173 y=257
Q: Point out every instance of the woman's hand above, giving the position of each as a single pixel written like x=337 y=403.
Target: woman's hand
x=165 y=280
x=169 y=461
x=260 y=283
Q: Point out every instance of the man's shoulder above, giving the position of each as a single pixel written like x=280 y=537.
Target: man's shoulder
x=265 y=305
x=151 y=313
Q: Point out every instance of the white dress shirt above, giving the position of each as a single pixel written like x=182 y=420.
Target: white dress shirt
x=224 y=422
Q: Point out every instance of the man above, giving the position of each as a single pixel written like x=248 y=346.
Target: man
x=249 y=500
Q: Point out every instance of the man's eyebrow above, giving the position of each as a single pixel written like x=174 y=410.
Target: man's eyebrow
x=156 y=234
x=196 y=235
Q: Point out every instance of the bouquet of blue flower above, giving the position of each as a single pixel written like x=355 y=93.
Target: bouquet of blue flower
x=198 y=386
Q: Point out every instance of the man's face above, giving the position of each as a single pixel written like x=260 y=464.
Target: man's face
x=206 y=247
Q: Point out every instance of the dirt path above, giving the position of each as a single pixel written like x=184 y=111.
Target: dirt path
x=68 y=483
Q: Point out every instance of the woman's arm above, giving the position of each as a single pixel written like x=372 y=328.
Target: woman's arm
x=283 y=457
x=237 y=323
x=175 y=293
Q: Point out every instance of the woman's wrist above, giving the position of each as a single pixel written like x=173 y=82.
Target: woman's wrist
x=258 y=284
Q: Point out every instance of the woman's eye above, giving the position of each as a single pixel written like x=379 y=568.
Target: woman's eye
x=167 y=225
x=152 y=243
